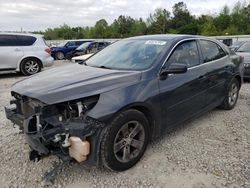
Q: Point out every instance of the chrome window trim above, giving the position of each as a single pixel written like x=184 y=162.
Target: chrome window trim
x=196 y=39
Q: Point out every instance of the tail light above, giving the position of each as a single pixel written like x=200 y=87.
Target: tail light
x=48 y=50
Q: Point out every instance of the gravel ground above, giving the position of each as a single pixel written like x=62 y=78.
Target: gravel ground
x=211 y=151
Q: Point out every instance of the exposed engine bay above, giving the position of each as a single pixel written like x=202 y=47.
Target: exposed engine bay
x=62 y=129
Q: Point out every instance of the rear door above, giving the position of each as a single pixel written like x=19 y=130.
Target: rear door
x=183 y=95
x=10 y=52
x=218 y=64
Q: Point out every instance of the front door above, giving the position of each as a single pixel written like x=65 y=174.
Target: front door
x=183 y=95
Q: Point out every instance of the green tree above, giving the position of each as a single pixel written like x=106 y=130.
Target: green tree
x=159 y=21
x=122 y=26
x=139 y=27
x=183 y=21
x=100 y=29
x=232 y=22
x=223 y=21
x=209 y=29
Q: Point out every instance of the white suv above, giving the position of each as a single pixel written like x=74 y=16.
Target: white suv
x=27 y=53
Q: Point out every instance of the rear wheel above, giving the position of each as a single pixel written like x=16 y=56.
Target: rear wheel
x=125 y=141
x=231 y=95
x=60 y=56
x=30 y=66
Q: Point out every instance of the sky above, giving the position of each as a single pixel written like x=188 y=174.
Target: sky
x=35 y=15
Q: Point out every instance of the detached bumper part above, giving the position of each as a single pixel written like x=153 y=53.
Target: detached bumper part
x=11 y=114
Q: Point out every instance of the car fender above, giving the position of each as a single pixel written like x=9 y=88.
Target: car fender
x=138 y=96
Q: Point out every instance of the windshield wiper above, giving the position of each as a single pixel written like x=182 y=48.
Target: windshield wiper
x=104 y=67
x=82 y=63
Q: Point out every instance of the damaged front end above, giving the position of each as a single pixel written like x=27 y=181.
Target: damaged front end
x=61 y=129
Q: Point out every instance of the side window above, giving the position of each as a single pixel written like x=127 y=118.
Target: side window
x=8 y=40
x=70 y=44
x=78 y=43
x=211 y=51
x=25 y=40
x=185 y=53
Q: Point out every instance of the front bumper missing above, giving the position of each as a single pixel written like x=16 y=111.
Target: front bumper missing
x=12 y=115
x=46 y=141
x=247 y=72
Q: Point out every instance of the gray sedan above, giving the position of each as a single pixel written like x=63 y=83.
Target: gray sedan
x=244 y=51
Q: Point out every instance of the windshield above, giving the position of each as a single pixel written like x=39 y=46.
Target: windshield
x=244 y=47
x=83 y=46
x=62 y=44
x=128 y=55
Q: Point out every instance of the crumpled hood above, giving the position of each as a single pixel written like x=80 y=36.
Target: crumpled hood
x=72 y=82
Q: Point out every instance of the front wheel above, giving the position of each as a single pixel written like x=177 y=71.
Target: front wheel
x=231 y=95
x=125 y=141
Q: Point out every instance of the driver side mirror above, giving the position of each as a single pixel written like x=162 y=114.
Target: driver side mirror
x=174 y=68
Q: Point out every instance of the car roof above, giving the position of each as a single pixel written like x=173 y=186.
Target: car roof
x=24 y=34
x=165 y=37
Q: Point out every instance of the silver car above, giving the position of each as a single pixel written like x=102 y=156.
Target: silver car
x=244 y=51
x=26 y=53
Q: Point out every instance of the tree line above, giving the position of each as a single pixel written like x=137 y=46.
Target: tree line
x=179 y=21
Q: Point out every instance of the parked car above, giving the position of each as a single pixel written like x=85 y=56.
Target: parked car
x=26 y=53
x=60 y=52
x=80 y=58
x=236 y=45
x=86 y=48
x=109 y=107
x=244 y=51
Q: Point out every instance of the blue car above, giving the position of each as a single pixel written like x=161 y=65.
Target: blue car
x=60 y=52
x=87 y=48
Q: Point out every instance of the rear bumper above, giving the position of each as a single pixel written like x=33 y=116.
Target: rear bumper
x=48 y=61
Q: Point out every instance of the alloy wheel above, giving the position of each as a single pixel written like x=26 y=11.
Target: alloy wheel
x=129 y=141
x=31 y=67
x=233 y=94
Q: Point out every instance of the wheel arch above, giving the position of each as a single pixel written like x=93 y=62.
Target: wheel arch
x=29 y=57
x=143 y=108
x=239 y=78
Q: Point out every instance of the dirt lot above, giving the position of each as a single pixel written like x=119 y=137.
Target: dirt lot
x=211 y=151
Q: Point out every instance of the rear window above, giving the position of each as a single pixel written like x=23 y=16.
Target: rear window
x=25 y=40
x=8 y=40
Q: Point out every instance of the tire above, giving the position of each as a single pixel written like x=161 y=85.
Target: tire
x=59 y=56
x=231 y=95
x=118 y=151
x=30 y=66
